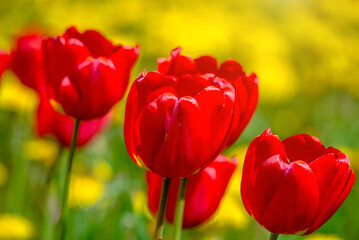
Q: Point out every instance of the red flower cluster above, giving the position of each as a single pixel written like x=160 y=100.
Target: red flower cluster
x=204 y=192
x=180 y=118
x=86 y=74
x=29 y=65
x=294 y=186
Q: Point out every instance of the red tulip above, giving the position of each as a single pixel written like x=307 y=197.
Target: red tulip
x=28 y=62
x=294 y=186
x=86 y=73
x=246 y=86
x=51 y=122
x=5 y=61
x=203 y=195
x=175 y=126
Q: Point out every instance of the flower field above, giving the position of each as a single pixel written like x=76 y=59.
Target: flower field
x=217 y=75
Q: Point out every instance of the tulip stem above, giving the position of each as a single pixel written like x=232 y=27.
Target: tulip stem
x=178 y=218
x=46 y=192
x=273 y=236
x=64 y=204
x=162 y=208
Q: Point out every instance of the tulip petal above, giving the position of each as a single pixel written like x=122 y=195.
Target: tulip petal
x=205 y=190
x=61 y=126
x=154 y=188
x=142 y=107
x=230 y=70
x=206 y=64
x=261 y=148
x=332 y=173
x=339 y=201
x=92 y=79
x=303 y=147
x=151 y=132
x=61 y=58
x=163 y=64
x=28 y=62
x=124 y=58
x=95 y=42
x=197 y=83
x=246 y=88
x=5 y=60
x=285 y=196
x=177 y=64
x=44 y=116
x=197 y=126
x=68 y=94
x=182 y=65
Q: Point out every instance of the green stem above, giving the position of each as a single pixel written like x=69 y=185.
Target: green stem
x=178 y=218
x=64 y=204
x=273 y=236
x=45 y=194
x=162 y=208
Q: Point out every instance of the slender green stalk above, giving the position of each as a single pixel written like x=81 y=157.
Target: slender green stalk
x=45 y=195
x=178 y=218
x=273 y=236
x=64 y=204
x=162 y=208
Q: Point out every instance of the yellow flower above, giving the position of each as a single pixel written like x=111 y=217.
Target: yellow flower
x=230 y=214
x=84 y=191
x=140 y=205
x=320 y=236
x=41 y=150
x=216 y=30
x=4 y=174
x=102 y=170
x=10 y=91
x=353 y=155
x=15 y=227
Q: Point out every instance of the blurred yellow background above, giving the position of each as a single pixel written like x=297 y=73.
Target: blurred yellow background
x=305 y=53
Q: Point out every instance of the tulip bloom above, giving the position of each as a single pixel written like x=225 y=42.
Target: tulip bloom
x=294 y=186
x=175 y=126
x=5 y=61
x=246 y=86
x=28 y=62
x=205 y=190
x=85 y=73
x=51 y=122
